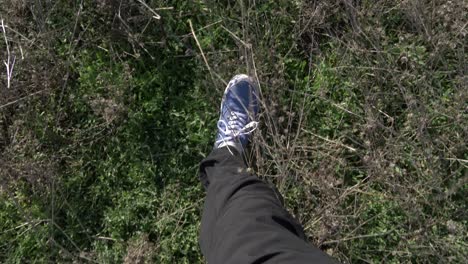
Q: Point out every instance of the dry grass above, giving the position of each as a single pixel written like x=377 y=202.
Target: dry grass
x=363 y=123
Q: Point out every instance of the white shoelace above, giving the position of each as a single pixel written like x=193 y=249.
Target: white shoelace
x=233 y=129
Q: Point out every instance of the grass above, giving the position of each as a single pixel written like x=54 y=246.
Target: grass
x=110 y=109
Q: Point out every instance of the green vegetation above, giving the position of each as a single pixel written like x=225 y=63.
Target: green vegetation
x=110 y=108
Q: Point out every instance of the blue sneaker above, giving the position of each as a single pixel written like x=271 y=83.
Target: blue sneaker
x=239 y=109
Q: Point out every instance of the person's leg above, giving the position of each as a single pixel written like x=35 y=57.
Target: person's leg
x=244 y=220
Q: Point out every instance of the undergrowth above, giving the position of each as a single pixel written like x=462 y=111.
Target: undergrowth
x=112 y=104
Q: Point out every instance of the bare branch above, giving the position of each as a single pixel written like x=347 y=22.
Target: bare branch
x=8 y=64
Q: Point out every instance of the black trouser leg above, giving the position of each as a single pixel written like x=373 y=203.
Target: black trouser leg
x=244 y=220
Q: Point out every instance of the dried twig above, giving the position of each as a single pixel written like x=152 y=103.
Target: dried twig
x=330 y=141
x=358 y=237
x=20 y=99
x=247 y=45
x=155 y=15
x=204 y=57
x=9 y=64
